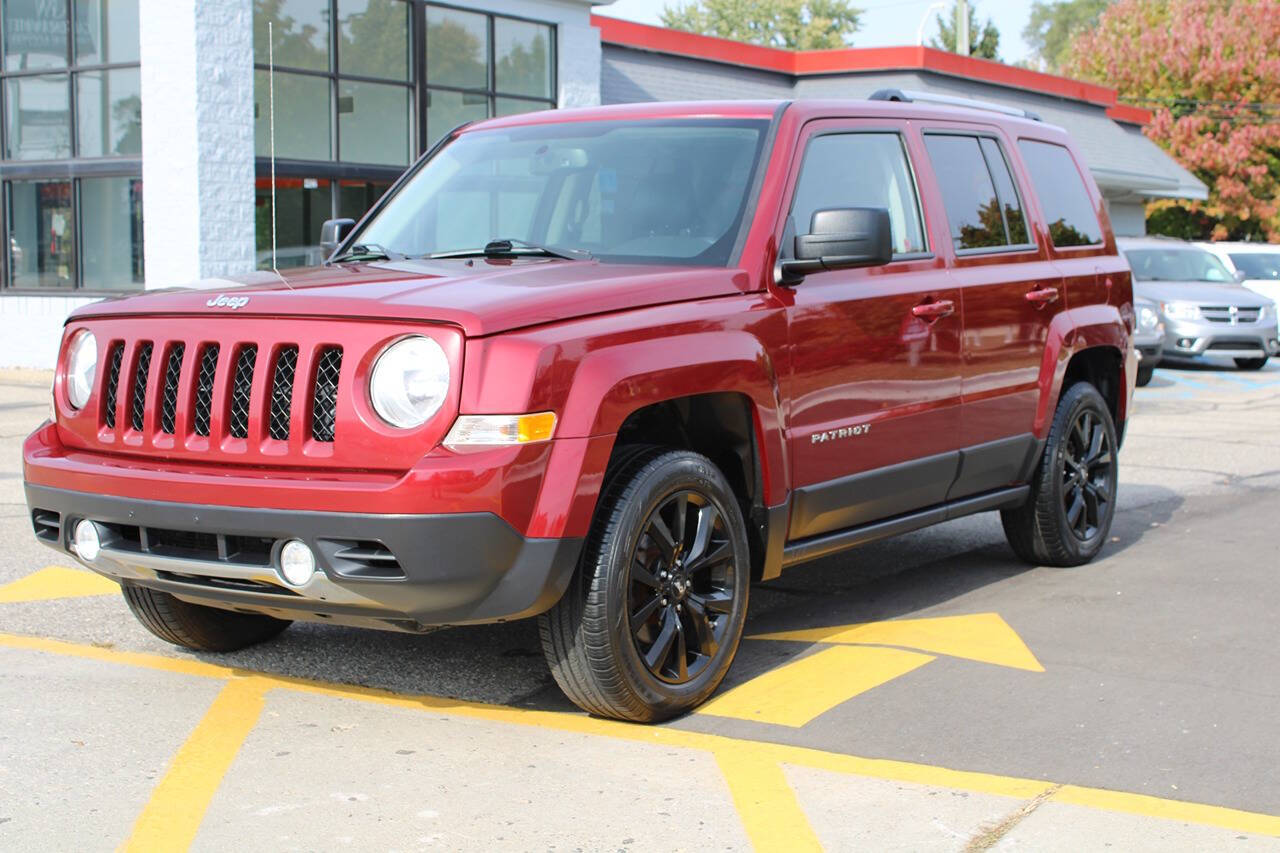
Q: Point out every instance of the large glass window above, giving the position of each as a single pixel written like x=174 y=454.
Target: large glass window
x=109 y=112
x=111 y=233
x=1063 y=197
x=42 y=234
x=362 y=87
x=978 y=192
x=72 y=97
x=883 y=179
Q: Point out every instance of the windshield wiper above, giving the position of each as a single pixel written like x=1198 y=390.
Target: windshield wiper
x=367 y=252
x=508 y=247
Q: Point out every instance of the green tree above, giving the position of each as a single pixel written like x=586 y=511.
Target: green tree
x=791 y=24
x=984 y=40
x=1054 y=25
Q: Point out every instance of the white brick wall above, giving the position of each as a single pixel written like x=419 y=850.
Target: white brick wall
x=197 y=139
x=31 y=328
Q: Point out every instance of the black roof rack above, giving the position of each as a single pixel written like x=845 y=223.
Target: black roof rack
x=913 y=96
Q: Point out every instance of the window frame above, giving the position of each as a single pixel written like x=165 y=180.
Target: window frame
x=1098 y=248
x=335 y=169
x=1009 y=248
x=785 y=246
x=72 y=168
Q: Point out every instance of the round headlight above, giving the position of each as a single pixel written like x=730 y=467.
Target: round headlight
x=410 y=381
x=82 y=365
x=1147 y=318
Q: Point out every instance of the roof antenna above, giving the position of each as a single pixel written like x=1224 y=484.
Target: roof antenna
x=271 y=120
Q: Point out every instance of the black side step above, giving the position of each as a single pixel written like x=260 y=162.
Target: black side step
x=815 y=547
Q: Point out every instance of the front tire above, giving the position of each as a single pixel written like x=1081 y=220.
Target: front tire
x=1144 y=375
x=1251 y=363
x=201 y=629
x=655 y=613
x=1073 y=494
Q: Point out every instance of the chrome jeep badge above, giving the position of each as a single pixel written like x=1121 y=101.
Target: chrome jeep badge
x=224 y=301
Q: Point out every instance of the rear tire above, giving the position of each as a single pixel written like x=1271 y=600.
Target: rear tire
x=652 y=619
x=201 y=629
x=1073 y=494
x=1144 y=375
x=1251 y=363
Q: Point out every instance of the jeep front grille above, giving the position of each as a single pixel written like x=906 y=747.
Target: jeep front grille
x=325 y=395
x=242 y=390
x=190 y=390
x=204 y=389
x=282 y=392
x=169 y=398
x=138 y=403
x=113 y=385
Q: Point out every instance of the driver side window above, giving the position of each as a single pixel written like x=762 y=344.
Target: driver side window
x=861 y=170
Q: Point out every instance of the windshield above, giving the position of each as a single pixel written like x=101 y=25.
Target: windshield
x=1177 y=265
x=625 y=191
x=1258 y=265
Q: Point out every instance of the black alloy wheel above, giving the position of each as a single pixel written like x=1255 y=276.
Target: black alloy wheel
x=1067 y=516
x=653 y=616
x=682 y=587
x=1087 y=469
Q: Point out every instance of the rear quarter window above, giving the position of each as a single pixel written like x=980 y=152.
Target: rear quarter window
x=1063 y=197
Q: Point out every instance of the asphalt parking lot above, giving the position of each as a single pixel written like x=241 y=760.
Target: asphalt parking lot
x=928 y=692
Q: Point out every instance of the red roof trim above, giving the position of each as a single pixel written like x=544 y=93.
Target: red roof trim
x=800 y=63
x=1131 y=115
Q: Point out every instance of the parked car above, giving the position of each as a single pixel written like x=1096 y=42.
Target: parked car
x=1148 y=338
x=699 y=348
x=1255 y=265
x=1204 y=310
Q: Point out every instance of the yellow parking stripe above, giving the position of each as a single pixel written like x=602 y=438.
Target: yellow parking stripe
x=984 y=637
x=766 y=802
x=173 y=815
x=56 y=582
x=796 y=692
x=875 y=768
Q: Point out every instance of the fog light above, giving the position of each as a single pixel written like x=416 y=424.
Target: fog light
x=86 y=540
x=297 y=563
x=1186 y=343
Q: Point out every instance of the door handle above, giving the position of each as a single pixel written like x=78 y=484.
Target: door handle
x=1043 y=297
x=935 y=310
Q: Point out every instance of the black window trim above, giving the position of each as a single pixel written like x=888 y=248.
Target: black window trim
x=72 y=168
x=900 y=131
x=1101 y=244
x=1007 y=249
x=416 y=80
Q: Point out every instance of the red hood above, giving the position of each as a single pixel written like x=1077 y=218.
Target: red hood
x=481 y=296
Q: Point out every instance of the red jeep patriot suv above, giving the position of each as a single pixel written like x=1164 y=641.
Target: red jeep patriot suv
x=607 y=367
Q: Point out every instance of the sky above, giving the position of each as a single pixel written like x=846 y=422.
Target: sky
x=884 y=22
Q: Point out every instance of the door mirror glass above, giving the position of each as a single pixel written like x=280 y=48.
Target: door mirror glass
x=333 y=232
x=840 y=238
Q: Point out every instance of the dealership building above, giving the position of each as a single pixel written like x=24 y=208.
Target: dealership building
x=136 y=135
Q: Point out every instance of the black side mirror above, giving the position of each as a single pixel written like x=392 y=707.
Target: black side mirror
x=333 y=232
x=842 y=238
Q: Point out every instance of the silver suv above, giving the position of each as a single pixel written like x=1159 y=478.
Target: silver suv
x=1204 y=310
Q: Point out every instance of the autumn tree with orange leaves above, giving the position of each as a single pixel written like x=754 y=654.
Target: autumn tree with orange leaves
x=1210 y=72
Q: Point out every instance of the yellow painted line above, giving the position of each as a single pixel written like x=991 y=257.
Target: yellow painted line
x=181 y=666
x=57 y=582
x=173 y=815
x=982 y=637
x=1157 y=807
x=766 y=802
x=797 y=692
x=875 y=768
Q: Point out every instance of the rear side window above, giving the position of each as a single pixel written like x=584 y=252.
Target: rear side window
x=1063 y=197
x=982 y=202
x=860 y=170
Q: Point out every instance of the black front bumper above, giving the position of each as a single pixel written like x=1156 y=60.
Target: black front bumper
x=401 y=572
